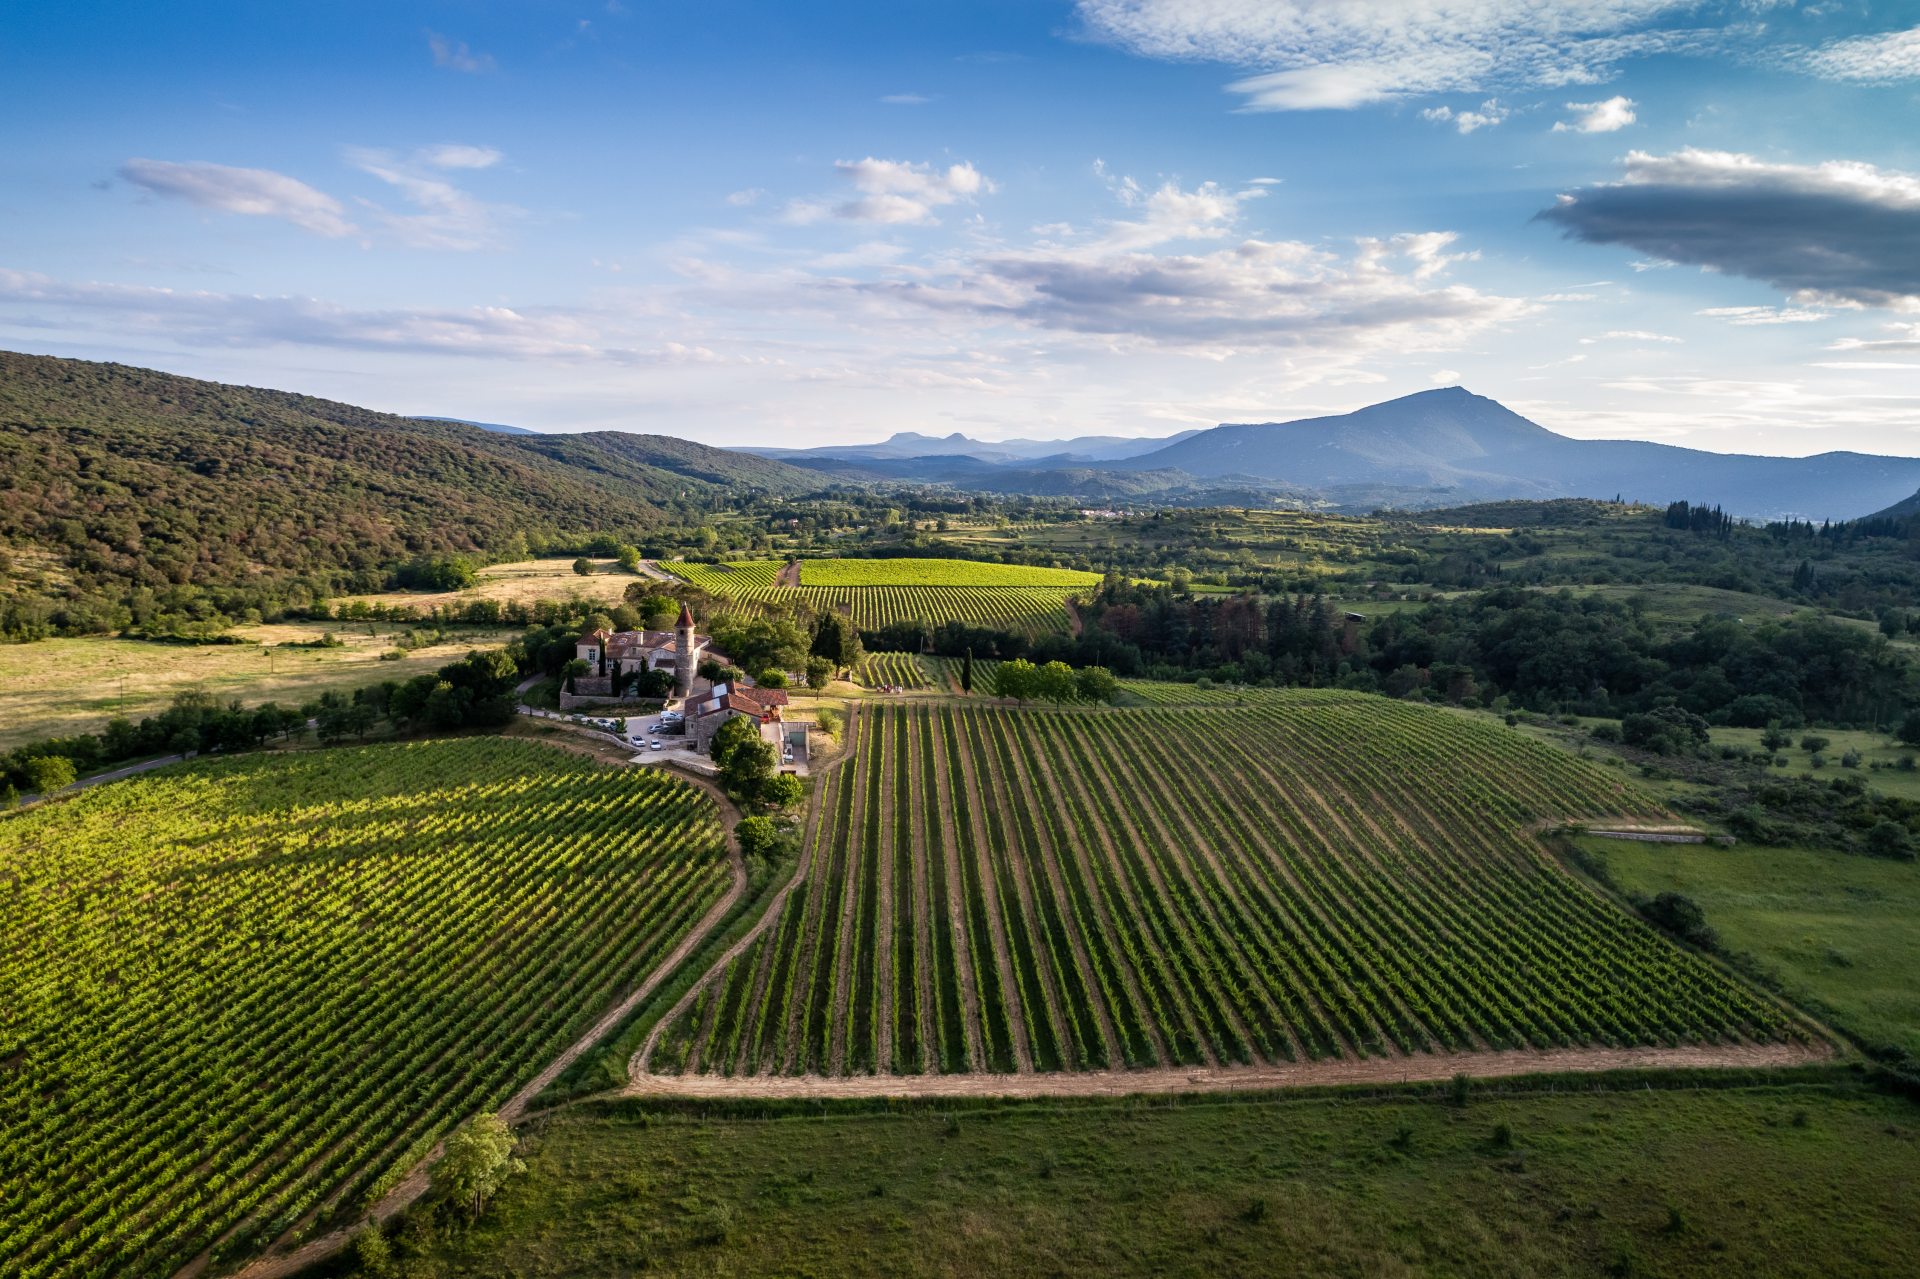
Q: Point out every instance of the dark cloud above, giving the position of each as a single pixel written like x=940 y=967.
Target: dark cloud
x=1837 y=231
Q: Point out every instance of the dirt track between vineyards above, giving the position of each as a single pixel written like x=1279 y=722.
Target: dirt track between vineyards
x=1425 y=1068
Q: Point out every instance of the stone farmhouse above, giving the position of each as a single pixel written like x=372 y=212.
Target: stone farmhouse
x=765 y=706
x=614 y=656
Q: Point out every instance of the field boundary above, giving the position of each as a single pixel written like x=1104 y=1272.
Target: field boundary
x=1418 y=1068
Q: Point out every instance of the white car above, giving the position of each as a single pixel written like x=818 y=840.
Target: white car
x=653 y=745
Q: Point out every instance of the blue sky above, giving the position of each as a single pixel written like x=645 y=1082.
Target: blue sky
x=785 y=224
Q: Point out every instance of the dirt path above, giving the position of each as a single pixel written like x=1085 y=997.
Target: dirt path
x=408 y=1191
x=637 y=1064
x=1074 y=624
x=789 y=574
x=1424 y=1068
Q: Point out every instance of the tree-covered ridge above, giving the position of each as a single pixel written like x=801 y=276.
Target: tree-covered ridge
x=120 y=487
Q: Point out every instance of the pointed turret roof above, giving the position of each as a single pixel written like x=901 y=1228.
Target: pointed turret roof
x=686 y=616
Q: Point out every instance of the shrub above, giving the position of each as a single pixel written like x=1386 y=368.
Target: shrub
x=1680 y=916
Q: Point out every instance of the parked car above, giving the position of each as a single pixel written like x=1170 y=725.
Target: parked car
x=654 y=745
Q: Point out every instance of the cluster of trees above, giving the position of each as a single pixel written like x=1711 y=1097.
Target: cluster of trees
x=749 y=768
x=1699 y=519
x=1592 y=656
x=1054 y=682
x=194 y=722
x=1841 y=813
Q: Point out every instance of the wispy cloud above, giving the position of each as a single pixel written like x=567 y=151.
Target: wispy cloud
x=248 y=320
x=1870 y=59
x=1610 y=116
x=456 y=155
x=445 y=216
x=1836 y=232
x=905 y=99
x=456 y=56
x=252 y=192
x=1907 y=339
x=1630 y=335
x=1751 y=315
x=1313 y=54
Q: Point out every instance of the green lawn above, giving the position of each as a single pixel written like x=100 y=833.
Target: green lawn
x=1841 y=930
x=1813 y=1179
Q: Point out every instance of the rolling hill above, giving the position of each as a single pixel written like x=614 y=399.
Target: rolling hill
x=118 y=480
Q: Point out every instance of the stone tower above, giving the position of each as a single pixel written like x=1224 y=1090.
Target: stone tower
x=684 y=655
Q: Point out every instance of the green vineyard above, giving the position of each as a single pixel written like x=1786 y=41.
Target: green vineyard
x=970 y=574
x=896 y=670
x=931 y=591
x=1324 y=875
x=239 y=993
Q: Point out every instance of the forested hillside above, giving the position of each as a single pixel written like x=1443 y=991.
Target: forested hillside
x=126 y=493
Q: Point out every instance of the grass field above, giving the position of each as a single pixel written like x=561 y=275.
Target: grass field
x=1792 y=1180
x=521 y=582
x=939 y=591
x=57 y=687
x=1874 y=748
x=1043 y=891
x=232 y=994
x=1842 y=931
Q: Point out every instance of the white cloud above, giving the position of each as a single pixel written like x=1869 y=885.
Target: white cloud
x=254 y=192
x=1610 y=116
x=1840 y=232
x=1629 y=335
x=1908 y=340
x=446 y=217
x=751 y=195
x=456 y=56
x=905 y=99
x=1869 y=59
x=1444 y=377
x=456 y=155
x=1489 y=114
x=1322 y=54
x=1569 y=297
x=893 y=192
x=1265 y=182
x=1750 y=315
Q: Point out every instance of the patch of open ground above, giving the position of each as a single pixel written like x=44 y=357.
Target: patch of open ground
x=58 y=687
x=521 y=582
